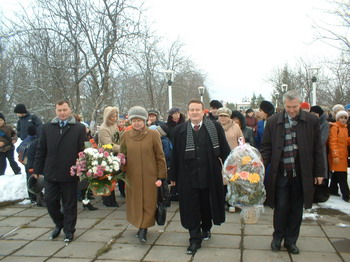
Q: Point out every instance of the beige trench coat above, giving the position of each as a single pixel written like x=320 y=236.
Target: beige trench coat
x=145 y=163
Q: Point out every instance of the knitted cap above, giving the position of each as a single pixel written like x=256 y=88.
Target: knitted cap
x=316 y=109
x=173 y=111
x=305 y=105
x=267 y=107
x=137 y=112
x=224 y=111
x=215 y=104
x=338 y=107
x=341 y=113
x=20 y=109
x=153 y=111
x=2 y=116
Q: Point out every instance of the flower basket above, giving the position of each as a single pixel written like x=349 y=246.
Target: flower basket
x=245 y=173
x=100 y=168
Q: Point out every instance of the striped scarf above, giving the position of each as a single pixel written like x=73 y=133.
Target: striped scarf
x=190 y=147
x=290 y=146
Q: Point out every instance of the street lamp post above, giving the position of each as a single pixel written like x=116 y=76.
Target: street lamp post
x=169 y=76
x=284 y=88
x=201 y=92
x=314 y=71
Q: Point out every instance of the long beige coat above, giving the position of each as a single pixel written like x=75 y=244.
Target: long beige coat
x=108 y=132
x=145 y=163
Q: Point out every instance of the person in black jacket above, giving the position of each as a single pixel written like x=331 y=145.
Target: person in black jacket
x=199 y=149
x=25 y=120
x=59 y=144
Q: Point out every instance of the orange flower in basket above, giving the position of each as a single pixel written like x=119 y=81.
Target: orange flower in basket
x=234 y=177
x=244 y=175
x=254 y=178
x=246 y=160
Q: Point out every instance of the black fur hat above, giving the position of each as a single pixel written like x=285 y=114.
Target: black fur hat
x=20 y=109
x=215 y=104
x=267 y=107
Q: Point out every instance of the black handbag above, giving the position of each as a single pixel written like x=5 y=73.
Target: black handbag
x=160 y=215
x=321 y=193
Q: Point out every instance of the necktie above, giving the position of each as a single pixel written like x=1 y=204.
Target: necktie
x=62 y=124
x=196 y=127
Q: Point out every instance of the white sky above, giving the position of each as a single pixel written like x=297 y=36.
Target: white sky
x=239 y=43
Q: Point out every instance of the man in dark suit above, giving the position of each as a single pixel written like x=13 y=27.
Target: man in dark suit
x=199 y=146
x=60 y=142
x=291 y=144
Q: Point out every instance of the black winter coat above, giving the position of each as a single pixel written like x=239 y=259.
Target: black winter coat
x=58 y=150
x=309 y=152
x=28 y=120
x=179 y=172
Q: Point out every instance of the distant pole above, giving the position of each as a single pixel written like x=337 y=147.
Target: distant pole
x=201 y=92
x=169 y=76
x=314 y=86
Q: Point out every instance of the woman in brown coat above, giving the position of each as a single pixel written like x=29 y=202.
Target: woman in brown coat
x=145 y=164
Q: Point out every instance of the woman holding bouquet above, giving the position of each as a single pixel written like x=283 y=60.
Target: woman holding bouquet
x=108 y=134
x=145 y=165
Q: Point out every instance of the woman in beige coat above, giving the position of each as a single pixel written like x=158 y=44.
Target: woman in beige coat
x=108 y=133
x=145 y=164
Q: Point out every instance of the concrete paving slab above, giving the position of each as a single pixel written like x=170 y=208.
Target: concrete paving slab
x=15 y=221
x=227 y=228
x=117 y=215
x=217 y=254
x=232 y=218
x=70 y=260
x=9 y=246
x=222 y=241
x=314 y=231
x=257 y=242
x=78 y=249
x=27 y=234
x=60 y=238
x=345 y=256
x=129 y=237
x=32 y=212
x=316 y=256
x=341 y=245
x=262 y=230
x=40 y=249
x=173 y=239
x=5 y=230
x=167 y=254
x=126 y=252
x=334 y=231
x=96 y=214
x=333 y=219
x=23 y=259
x=176 y=226
x=10 y=211
x=87 y=222
x=41 y=222
x=99 y=235
x=266 y=256
x=314 y=244
x=111 y=224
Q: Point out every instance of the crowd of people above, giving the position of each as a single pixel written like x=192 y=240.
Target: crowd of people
x=184 y=154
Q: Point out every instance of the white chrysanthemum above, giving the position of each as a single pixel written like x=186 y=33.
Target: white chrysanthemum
x=94 y=163
x=103 y=163
x=94 y=169
x=108 y=169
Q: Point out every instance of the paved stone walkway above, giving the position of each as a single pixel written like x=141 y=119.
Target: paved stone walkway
x=105 y=235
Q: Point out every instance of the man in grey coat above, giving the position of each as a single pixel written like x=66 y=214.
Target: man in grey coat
x=291 y=144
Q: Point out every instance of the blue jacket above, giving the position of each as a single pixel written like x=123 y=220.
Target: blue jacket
x=167 y=148
x=259 y=134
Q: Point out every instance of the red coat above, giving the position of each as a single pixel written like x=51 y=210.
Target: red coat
x=338 y=147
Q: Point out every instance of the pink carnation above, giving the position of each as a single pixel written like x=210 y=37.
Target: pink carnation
x=100 y=150
x=106 y=154
x=244 y=175
x=81 y=154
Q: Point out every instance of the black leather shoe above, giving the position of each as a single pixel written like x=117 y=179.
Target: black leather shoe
x=276 y=244
x=206 y=235
x=192 y=249
x=56 y=232
x=292 y=248
x=89 y=206
x=68 y=237
x=143 y=235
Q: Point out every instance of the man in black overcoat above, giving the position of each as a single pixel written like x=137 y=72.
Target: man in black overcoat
x=291 y=144
x=199 y=149
x=59 y=144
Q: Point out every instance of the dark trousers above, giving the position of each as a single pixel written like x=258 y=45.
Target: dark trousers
x=340 y=178
x=10 y=156
x=288 y=212
x=202 y=214
x=109 y=200
x=121 y=187
x=67 y=191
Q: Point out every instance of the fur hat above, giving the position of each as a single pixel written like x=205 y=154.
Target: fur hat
x=31 y=130
x=341 y=113
x=215 y=104
x=267 y=107
x=173 y=111
x=224 y=111
x=2 y=116
x=338 y=107
x=305 y=105
x=153 y=111
x=316 y=109
x=138 y=112
x=347 y=107
x=20 y=109
x=35 y=185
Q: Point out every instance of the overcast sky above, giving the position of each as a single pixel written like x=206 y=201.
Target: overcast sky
x=239 y=43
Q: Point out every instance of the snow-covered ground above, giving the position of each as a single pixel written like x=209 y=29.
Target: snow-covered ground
x=14 y=187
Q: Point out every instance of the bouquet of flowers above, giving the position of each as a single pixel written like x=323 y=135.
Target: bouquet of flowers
x=245 y=173
x=100 y=167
